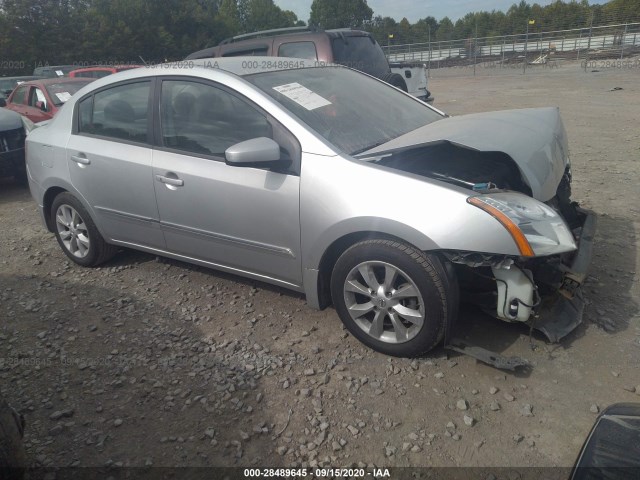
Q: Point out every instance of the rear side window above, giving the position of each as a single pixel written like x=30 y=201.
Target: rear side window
x=120 y=112
x=298 y=50
x=250 y=52
x=85 y=109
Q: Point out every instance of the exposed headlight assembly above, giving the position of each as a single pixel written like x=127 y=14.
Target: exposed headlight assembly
x=536 y=228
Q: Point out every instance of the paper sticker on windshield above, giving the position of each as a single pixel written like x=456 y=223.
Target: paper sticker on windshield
x=60 y=73
x=63 y=96
x=302 y=96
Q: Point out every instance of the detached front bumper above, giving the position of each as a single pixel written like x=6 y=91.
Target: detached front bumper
x=561 y=313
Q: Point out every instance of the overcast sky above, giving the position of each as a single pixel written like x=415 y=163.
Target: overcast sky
x=416 y=9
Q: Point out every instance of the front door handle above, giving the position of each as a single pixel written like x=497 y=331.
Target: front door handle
x=80 y=159
x=175 y=182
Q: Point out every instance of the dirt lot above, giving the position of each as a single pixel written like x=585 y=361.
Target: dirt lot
x=154 y=362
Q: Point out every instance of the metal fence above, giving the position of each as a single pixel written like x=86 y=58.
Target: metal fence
x=540 y=48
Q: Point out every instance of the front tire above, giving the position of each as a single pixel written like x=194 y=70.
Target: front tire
x=76 y=233
x=392 y=297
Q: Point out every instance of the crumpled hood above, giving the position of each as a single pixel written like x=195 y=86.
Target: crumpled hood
x=534 y=138
x=9 y=120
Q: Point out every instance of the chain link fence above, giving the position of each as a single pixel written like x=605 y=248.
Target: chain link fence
x=584 y=47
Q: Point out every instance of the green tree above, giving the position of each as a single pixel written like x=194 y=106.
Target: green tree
x=621 y=11
x=518 y=16
x=37 y=32
x=445 y=30
x=424 y=28
x=265 y=15
x=340 y=13
x=229 y=14
x=381 y=28
x=124 y=30
x=404 y=31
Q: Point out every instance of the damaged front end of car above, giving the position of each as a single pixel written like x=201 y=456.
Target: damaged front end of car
x=516 y=166
x=519 y=289
x=542 y=287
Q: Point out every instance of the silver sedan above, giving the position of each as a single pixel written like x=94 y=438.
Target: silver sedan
x=325 y=181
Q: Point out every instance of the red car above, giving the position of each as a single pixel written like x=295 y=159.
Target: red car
x=99 y=72
x=39 y=100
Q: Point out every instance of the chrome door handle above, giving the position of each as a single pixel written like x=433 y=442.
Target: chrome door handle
x=176 y=182
x=82 y=160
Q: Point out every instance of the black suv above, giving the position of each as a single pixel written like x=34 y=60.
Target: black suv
x=12 y=135
x=352 y=48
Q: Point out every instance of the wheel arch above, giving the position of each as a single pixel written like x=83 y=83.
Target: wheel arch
x=333 y=252
x=47 y=202
x=52 y=191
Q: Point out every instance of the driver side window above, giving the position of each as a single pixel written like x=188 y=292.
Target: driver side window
x=206 y=120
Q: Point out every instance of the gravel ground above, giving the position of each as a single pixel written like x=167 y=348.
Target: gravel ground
x=148 y=361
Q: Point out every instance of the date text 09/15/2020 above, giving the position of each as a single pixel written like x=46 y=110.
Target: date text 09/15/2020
x=316 y=472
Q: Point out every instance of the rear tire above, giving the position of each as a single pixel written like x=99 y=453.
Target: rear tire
x=396 y=80
x=76 y=233
x=392 y=297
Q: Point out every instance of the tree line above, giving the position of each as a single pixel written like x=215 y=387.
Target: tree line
x=60 y=32
x=70 y=32
x=555 y=16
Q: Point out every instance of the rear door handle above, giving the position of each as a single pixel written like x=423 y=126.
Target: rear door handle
x=176 y=182
x=80 y=159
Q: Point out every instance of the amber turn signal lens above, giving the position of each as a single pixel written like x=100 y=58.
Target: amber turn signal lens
x=512 y=228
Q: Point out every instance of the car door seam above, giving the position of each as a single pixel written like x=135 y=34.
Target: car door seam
x=284 y=251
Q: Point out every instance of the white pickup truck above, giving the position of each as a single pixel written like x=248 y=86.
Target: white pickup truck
x=415 y=75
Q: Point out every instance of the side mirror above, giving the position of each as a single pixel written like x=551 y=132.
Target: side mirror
x=257 y=152
x=3 y=102
x=41 y=105
x=612 y=449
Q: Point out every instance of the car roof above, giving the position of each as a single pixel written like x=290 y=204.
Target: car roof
x=239 y=66
x=22 y=77
x=301 y=32
x=10 y=120
x=101 y=68
x=243 y=66
x=51 y=67
x=56 y=80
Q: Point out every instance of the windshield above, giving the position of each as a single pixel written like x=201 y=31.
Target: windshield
x=352 y=111
x=61 y=92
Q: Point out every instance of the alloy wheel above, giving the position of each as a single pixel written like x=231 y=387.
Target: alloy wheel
x=72 y=230
x=384 y=302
